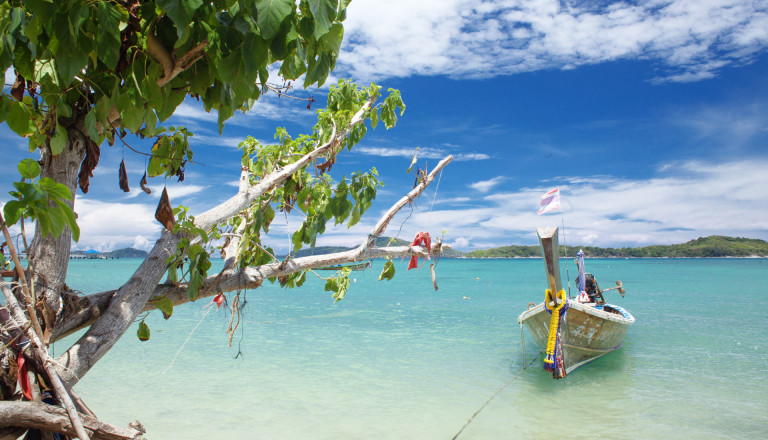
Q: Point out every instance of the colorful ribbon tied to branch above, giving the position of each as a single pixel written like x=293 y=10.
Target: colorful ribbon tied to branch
x=219 y=300
x=554 y=357
x=422 y=239
x=23 y=377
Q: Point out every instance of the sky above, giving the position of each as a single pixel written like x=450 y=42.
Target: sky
x=651 y=117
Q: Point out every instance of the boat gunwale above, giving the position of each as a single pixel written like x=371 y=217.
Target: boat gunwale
x=588 y=308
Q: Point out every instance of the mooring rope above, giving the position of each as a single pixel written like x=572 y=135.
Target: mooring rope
x=206 y=310
x=471 y=419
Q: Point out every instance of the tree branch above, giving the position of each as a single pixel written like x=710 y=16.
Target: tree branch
x=172 y=68
x=244 y=198
x=130 y=299
x=18 y=319
x=33 y=415
x=250 y=278
x=119 y=315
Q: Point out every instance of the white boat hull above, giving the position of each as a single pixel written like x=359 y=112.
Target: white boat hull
x=588 y=331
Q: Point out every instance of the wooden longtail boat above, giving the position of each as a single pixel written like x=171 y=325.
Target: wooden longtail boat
x=583 y=331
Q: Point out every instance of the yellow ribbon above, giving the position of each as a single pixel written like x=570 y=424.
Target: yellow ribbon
x=554 y=321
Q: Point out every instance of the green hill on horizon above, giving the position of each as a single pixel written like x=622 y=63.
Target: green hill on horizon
x=713 y=246
x=703 y=247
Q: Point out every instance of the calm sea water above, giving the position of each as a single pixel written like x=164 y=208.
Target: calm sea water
x=398 y=360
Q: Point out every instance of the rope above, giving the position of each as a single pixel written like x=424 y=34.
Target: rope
x=288 y=231
x=471 y=419
x=436 y=188
x=206 y=311
x=567 y=274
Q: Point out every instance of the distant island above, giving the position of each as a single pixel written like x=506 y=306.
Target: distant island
x=703 y=247
x=715 y=246
x=119 y=253
x=707 y=247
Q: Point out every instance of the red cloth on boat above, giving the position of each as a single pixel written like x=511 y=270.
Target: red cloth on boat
x=422 y=239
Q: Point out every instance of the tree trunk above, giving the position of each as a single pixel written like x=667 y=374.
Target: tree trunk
x=127 y=303
x=49 y=257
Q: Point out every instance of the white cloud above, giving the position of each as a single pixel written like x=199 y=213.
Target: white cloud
x=459 y=243
x=423 y=153
x=687 y=200
x=179 y=191
x=10 y=78
x=175 y=191
x=194 y=110
x=683 y=201
x=732 y=125
x=486 y=185
x=476 y=38
x=216 y=141
x=108 y=226
x=269 y=107
x=142 y=243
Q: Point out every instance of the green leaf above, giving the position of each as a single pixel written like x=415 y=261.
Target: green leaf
x=355 y=216
x=143 y=332
x=165 y=305
x=29 y=168
x=5 y=107
x=229 y=66
x=194 y=285
x=69 y=219
x=71 y=53
x=108 y=42
x=152 y=92
x=338 y=285
x=57 y=220
x=12 y=212
x=180 y=12
x=324 y=12
x=271 y=14
x=254 y=54
x=23 y=61
x=19 y=119
x=317 y=71
x=388 y=271
x=59 y=140
x=55 y=189
x=332 y=40
x=342 y=14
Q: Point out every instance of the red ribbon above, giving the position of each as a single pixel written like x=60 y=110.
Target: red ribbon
x=422 y=239
x=26 y=389
x=219 y=300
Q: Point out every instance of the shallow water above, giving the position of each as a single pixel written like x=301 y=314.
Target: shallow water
x=398 y=360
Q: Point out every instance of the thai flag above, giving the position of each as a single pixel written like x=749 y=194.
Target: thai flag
x=550 y=201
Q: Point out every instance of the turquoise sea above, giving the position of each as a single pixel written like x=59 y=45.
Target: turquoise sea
x=399 y=360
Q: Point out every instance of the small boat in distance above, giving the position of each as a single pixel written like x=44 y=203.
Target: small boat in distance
x=573 y=331
x=354 y=266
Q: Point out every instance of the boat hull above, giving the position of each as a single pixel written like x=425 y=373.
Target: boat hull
x=589 y=331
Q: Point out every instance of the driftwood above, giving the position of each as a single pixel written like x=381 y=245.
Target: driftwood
x=33 y=415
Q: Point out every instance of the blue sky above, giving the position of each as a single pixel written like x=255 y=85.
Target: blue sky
x=651 y=117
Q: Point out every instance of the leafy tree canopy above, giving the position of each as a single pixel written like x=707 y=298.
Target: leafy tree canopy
x=133 y=62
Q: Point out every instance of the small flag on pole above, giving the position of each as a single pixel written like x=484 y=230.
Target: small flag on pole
x=550 y=201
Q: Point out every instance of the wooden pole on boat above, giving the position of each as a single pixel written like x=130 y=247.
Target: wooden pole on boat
x=550 y=254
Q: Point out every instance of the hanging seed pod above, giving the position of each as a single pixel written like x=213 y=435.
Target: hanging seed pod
x=123 y=177
x=164 y=212
x=143 y=184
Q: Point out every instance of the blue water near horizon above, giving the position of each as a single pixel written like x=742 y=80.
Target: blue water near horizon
x=399 y=360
